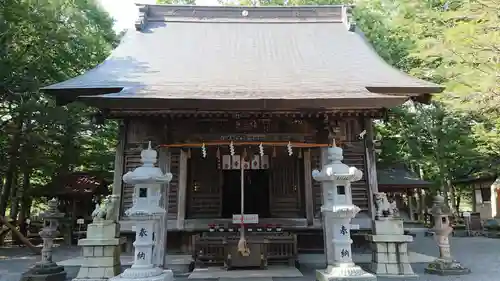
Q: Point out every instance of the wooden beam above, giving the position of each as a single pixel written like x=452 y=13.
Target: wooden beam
x=308 y=187
x=371 y=165
x=182 y=190
x=20 y=235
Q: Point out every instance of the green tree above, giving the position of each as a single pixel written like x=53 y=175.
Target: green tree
x=43 y=42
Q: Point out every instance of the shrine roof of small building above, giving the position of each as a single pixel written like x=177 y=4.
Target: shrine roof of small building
x=270 y=57
x=400 y=177
x=77 y=184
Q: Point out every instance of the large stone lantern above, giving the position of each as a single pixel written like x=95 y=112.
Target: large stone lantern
x=46 y=269
x=146 y=212
x=338 y=211
x=444 y=264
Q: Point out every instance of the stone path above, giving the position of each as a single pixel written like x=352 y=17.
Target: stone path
x=480 y=254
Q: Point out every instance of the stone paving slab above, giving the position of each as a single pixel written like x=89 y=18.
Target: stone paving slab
x=480 y=254
x=218 y=273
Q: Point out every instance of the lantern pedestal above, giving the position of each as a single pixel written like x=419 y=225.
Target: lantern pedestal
x=350 y=272
x=143 y=268
x=338 y=246
x=145 y=274
x=445 y=267
x=45 y=272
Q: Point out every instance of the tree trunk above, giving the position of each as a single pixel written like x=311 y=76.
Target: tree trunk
x=453 y=194
x=458 y=201
x=14 y=198
x=25 y=204
x=12 y=167
x=27 y=152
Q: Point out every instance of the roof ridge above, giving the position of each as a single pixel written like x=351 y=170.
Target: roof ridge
x=160 y=13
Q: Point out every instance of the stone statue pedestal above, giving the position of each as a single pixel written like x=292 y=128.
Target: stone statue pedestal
x=390 y=249
x=101 y=252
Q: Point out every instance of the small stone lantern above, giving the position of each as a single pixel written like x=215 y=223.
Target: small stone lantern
x=338 y=211
x=46 y=269
x=444 y=265
x=146 y=212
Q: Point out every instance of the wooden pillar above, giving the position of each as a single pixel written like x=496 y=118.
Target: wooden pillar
x=495 y=198
x=323 y=159
x=308 y=187
x=164 y=165
x=182 y=190
x=120 y=163
x=409 y=195
x=371 y=165
x=421 y=204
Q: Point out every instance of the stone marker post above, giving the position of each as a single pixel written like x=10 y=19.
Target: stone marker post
x=390 y=245
x=101 y=251
x=444 y=265
x=46 y=269
x=338 y=211
x=146 y=212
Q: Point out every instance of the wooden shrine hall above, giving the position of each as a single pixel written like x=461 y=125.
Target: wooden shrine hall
x=270 y=86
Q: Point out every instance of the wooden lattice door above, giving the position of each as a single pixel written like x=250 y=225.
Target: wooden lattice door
x=286 y=182
x=204 y=186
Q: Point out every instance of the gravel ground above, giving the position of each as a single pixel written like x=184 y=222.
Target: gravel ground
x=480 y=254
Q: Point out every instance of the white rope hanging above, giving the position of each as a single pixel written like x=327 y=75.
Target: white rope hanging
x=289 y=148
x=204 y=151
x=231 y=148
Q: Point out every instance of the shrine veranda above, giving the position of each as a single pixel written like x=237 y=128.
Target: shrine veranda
x=248 y=95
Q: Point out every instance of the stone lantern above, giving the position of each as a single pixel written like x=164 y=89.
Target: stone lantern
x=338 y=211
x=46 y=269
x=146 y=212
x=444 y=265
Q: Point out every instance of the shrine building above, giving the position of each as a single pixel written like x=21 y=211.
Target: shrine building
x=270 y=86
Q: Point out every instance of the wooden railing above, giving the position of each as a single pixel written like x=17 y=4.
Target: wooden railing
x=214 y=248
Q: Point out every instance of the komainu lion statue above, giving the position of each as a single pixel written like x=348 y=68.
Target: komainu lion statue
x=107 y=210
x=383 y=208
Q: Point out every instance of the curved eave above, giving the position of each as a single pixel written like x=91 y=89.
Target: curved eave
x=155 y=103
x=403 y=186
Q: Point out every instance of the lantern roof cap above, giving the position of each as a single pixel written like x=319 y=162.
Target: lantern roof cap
x=147 y=173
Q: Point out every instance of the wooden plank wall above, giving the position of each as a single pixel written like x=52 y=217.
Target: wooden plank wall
x=354 y=155
x=132 y=161
x=175 y=155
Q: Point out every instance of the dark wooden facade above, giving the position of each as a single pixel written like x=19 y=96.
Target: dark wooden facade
x=196 y=189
